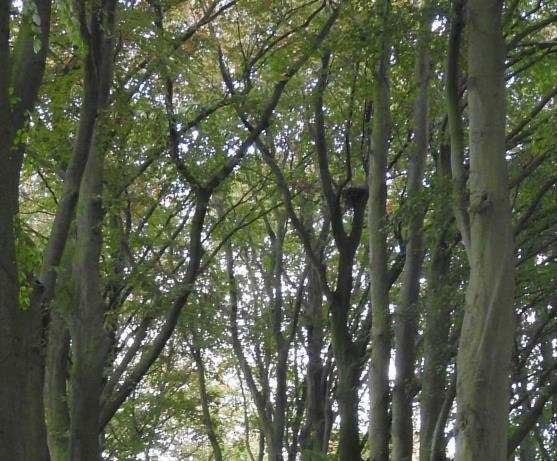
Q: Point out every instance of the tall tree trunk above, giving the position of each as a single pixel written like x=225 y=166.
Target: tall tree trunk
x=22 y=427
x=55 y=402
x=484 y=354
x=436 y=347
x=406 y=325
x=57 y=362
x=377 y=219
x=55 y=389
x=349 y=360
x=349 y=355
x=90 y=342
x=347 y=397
x=452 y=88
x=317 y=397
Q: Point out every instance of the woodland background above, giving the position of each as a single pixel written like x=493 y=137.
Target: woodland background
x=278 y=229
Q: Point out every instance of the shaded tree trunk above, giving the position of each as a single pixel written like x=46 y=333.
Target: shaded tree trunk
x=406 y=324
x=348 y=353
x=55 y=388
x=379 y=277
x=484 y=354
x=436 y=348
x=317 y=399
x=22 y=427
x=90 y=341
x=452 y=89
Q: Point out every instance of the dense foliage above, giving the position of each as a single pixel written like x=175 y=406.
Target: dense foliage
x=205 y=255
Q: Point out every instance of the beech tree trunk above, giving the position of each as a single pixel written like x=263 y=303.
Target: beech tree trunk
x=436 y=347
x=406 y=325
x=484 y=353
x=55 y=389
x=22 y=427
x=90 y=341
x=315 y=441
x=348 y=362
x=436 y=397
x=348 y=352
x=377 y=218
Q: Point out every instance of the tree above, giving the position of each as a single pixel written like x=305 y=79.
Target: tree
x=217 y=217
x=377 y=220
x=485 y=347
x=23 y=50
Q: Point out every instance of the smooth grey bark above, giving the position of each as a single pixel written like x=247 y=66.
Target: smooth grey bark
x=55 y=388
x=438 y=438
x=436 y=344
x=22 y=428
x=377 y=234
x=65 y=214
x=456 y=131
x=57 y=361
x=484 y=354
x=406 y=324
x=90 y=341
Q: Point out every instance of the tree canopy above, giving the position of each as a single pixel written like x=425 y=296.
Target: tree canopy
x=278 y=230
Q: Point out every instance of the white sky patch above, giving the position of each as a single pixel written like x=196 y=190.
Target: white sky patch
x=392 y=368
x=436 y=25
x=451 y=447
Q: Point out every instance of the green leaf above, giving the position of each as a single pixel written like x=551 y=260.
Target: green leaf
x=37 y=44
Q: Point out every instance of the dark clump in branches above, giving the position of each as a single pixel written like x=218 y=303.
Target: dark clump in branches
x=355 y=196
